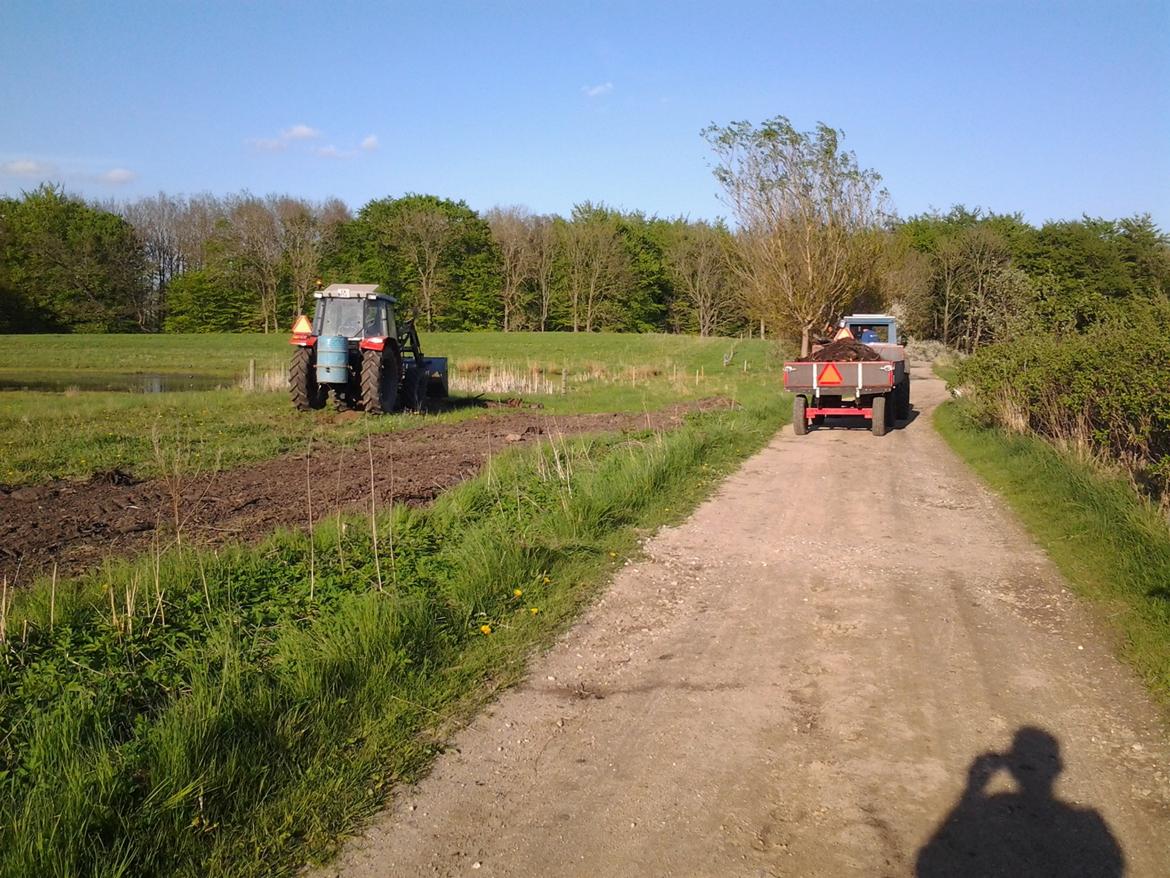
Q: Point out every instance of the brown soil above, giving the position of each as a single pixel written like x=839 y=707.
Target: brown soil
x=844 y=350
x=76 y=525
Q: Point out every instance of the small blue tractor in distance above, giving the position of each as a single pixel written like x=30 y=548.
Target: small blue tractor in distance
x=355 y=350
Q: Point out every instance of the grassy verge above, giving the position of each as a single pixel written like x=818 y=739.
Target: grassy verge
x=1111 y=545
x=75 y=434
x=235 y=713
x=945 y=369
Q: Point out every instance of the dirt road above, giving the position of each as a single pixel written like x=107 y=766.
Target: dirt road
x=850 y=643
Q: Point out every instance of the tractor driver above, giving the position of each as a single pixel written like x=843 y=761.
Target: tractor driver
x=868 y=336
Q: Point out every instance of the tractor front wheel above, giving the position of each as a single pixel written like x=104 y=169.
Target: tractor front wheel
x=380 y=376
x=306 y=393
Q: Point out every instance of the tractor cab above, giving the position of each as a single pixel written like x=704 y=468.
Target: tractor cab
x=354 y=312
x=872 y=328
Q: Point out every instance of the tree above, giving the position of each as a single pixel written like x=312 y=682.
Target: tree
x=698 y=266
x=304 y=230
x=542 y=244
x=597 y=265
x=433 y=253
x=512 y=232
x=156 y=220
x=424 y=233
x=69 y=266
x=204 y=301
x=254 y=250
x=806 y=212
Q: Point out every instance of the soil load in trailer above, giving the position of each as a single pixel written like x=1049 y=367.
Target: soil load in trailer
x=862 y=373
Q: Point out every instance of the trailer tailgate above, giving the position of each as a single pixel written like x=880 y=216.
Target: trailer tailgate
x=841 y=378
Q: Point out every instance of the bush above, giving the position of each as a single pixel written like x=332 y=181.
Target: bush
x=1106 y=390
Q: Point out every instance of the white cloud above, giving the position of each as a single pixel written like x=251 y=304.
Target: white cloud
x=332 y=152
x=27 y=168
x=117 y=176
x=596 y=91
x=370 y=142
x=267 y=144
x=300 y=131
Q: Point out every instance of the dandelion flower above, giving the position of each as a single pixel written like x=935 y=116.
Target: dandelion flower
x=517 y=591
x=534 y=610
x=486 y=629
x=547 y=580
x=613 y=554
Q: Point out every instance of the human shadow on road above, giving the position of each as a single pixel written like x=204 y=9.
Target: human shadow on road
x=1029 y=832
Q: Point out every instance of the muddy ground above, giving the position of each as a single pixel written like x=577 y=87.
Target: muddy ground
x=77 y=525
x=851 y=660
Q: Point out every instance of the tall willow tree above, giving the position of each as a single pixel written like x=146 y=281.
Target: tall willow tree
x=808 y=217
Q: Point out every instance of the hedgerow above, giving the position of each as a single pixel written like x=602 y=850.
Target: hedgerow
x=1106 y=390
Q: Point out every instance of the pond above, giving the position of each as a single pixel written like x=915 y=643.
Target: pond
x=124 y=382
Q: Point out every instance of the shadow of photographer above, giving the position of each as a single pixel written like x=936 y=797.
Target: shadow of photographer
x=1026 y=832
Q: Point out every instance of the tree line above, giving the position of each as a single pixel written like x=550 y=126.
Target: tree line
x=248 y=263
x=811 y=236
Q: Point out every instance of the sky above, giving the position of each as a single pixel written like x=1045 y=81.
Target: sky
x=1050 y=109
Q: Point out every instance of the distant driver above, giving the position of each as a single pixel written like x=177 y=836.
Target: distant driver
x=868 y=336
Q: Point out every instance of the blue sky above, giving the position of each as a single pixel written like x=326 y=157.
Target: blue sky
x=1052 y=109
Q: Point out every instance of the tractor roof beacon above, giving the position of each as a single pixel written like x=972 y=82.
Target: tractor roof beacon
x=356 y=350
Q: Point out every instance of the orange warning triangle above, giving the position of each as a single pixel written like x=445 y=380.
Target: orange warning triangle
x=829 y=375
x=302 y=326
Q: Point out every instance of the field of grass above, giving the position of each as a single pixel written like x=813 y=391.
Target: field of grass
x=77 y=433
x=234 y=713
x=1111 y=544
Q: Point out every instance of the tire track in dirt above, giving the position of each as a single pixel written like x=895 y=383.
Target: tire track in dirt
x=76 y=525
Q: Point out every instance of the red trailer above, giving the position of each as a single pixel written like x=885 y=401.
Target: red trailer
x=877 y=390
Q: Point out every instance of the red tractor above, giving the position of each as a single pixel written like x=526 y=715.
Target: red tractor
x=355 y=350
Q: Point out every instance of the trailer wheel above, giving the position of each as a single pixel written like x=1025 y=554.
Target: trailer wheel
x=799 y=421
x=380 y=377
x=302 y=381
x=904 y=399
x=881 y=417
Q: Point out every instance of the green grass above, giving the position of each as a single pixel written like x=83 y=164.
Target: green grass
x=73 y=435
x=1111 y=544
x=286 y=691
x=947 y=370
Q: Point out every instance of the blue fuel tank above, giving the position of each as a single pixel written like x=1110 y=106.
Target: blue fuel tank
x=332 y=359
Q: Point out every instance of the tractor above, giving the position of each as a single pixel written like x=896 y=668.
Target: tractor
x=355 y=350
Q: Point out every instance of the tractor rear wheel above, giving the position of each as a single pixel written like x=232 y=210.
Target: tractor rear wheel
x=799 y=421
x=380 y=376
x=880 y=425
x=904 y=399
x=306 y=393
